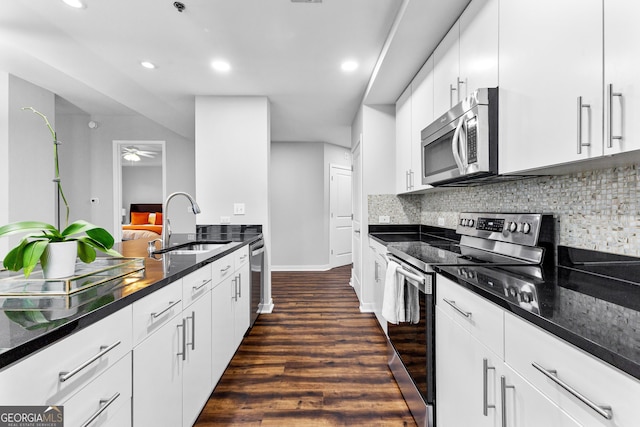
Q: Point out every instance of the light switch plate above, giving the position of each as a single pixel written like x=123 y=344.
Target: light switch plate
x=238 y=208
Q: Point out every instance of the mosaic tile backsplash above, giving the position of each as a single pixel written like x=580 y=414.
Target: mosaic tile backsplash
x=597 y=210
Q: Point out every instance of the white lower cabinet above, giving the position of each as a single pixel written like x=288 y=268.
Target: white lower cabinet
x=222 y=331
x=474 y=384
x=105 y=401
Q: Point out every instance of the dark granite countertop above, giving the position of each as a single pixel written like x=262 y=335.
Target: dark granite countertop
x=589 y=299
x=23 y=332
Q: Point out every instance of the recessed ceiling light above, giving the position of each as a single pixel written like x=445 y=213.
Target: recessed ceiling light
x=78 y=4
x=221 y=65
x=349 y=66
x=149 y=65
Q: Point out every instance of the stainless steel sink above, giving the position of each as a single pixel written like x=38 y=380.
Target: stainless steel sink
x=196 y=248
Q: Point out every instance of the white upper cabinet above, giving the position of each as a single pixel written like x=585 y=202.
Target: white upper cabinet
x=446 y=72
x=550 y=83
x=403 y=141
x=421 y=117
x=621 y=65
x=478 y=46
x=467 y=58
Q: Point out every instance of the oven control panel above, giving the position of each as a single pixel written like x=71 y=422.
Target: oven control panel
x=520 y=228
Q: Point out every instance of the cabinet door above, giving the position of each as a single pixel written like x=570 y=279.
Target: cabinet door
x=222 y=331
x=242 y=304
x=157 y=377
x=421 y=117
x=550 y=58
x=525 y=406
x=446 y=72
x=403 y=141
x=479 y=46
x=621 y=66
x=196 y=385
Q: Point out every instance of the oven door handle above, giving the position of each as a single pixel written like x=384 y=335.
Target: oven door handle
x=411 y=276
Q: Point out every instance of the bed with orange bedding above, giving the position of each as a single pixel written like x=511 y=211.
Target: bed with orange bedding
x=145 y=221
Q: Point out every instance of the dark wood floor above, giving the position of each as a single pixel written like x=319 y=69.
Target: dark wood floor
x=315 y=361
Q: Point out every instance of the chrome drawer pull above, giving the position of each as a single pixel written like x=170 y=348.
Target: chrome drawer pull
x=64 y=376
x=193 y=330
x=604 y=411
x=458 y=309
x=224 y=270
x=485 y=385
x=104 y=404
x=503 y=398
x=204 y=283
x=171 y=305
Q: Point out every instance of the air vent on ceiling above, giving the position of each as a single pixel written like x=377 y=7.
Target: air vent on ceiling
x=306 y=1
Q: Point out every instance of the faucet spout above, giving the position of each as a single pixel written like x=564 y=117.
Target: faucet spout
x=166 y=224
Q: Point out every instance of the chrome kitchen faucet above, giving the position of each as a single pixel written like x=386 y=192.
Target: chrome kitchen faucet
x=166 y=227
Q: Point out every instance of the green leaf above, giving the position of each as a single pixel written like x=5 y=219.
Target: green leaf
x=31 y=255
x=96 y=245
x=27 y=226
x=86 y=252
x=102 y=236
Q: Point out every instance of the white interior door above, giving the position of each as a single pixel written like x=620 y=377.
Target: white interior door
x=357 y=220
x=340 y=216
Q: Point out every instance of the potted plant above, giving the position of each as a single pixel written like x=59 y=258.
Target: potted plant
x=45 y=242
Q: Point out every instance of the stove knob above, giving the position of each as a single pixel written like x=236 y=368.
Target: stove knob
x=470 y=223
x=526 y=227
x=512 y=227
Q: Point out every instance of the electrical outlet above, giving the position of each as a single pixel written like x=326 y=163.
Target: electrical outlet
x=440 y=221
x=384 y=219
x=238 y=208
x=225 y=220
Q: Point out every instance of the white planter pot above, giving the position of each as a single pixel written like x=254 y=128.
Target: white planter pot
x=59 y=260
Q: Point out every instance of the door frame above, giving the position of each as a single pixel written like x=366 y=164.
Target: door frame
x=117 y=179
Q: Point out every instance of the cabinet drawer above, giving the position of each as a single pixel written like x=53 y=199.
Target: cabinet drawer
x=156 y=309
x=104 y=399
x=196 y=284
x=222 y=268
x=483 y=319
x=241 y=256
x=81 y=357
x=602 y=384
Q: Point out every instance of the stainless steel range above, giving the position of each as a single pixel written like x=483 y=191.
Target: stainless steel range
x=507 y=250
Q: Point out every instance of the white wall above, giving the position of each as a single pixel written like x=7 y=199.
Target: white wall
x=141 y=184
x=27 y=146
x=180 y=165
x=300 y=203
x=4 y=157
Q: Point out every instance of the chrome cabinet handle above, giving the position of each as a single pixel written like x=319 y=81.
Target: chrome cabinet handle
x=451 y=90
x=611 y=135
x=411 y=184
x=183 y=353
x=604 y=411
x=580 y=107
x=239 y=285
x=171 y=305
x=204 y=283
x=64 y=376
x=224 y=270
x=458 y=83
x=104 y=404
x=503 y=398
x=453 y=304
x=485 y=386
x=235 y=289
x=193 y=330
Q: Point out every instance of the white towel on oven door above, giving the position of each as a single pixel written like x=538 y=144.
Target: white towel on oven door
x=393 y=297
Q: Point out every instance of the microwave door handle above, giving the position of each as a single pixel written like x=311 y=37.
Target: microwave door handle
x=455 y=146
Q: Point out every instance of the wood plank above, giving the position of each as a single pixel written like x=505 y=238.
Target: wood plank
x=315 y=361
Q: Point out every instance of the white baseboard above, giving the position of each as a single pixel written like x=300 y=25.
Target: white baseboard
x=367 y=307
x=266 y=307
x=324 y=267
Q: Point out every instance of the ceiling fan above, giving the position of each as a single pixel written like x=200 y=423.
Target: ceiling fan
x=133 y=154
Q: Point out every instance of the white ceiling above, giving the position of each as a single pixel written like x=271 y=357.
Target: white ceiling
x=289 y=52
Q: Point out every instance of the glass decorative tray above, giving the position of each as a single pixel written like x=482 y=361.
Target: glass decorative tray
x=100 y=271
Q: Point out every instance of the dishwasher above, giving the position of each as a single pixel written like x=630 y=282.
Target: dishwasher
x=256 y=249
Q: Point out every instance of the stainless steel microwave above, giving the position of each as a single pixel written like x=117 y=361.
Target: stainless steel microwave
x=461 y=146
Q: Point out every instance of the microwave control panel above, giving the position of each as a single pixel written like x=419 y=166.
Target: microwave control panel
x=472 y=140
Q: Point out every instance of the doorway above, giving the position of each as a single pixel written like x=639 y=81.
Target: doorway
x=139 y=176
x=340 y=219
